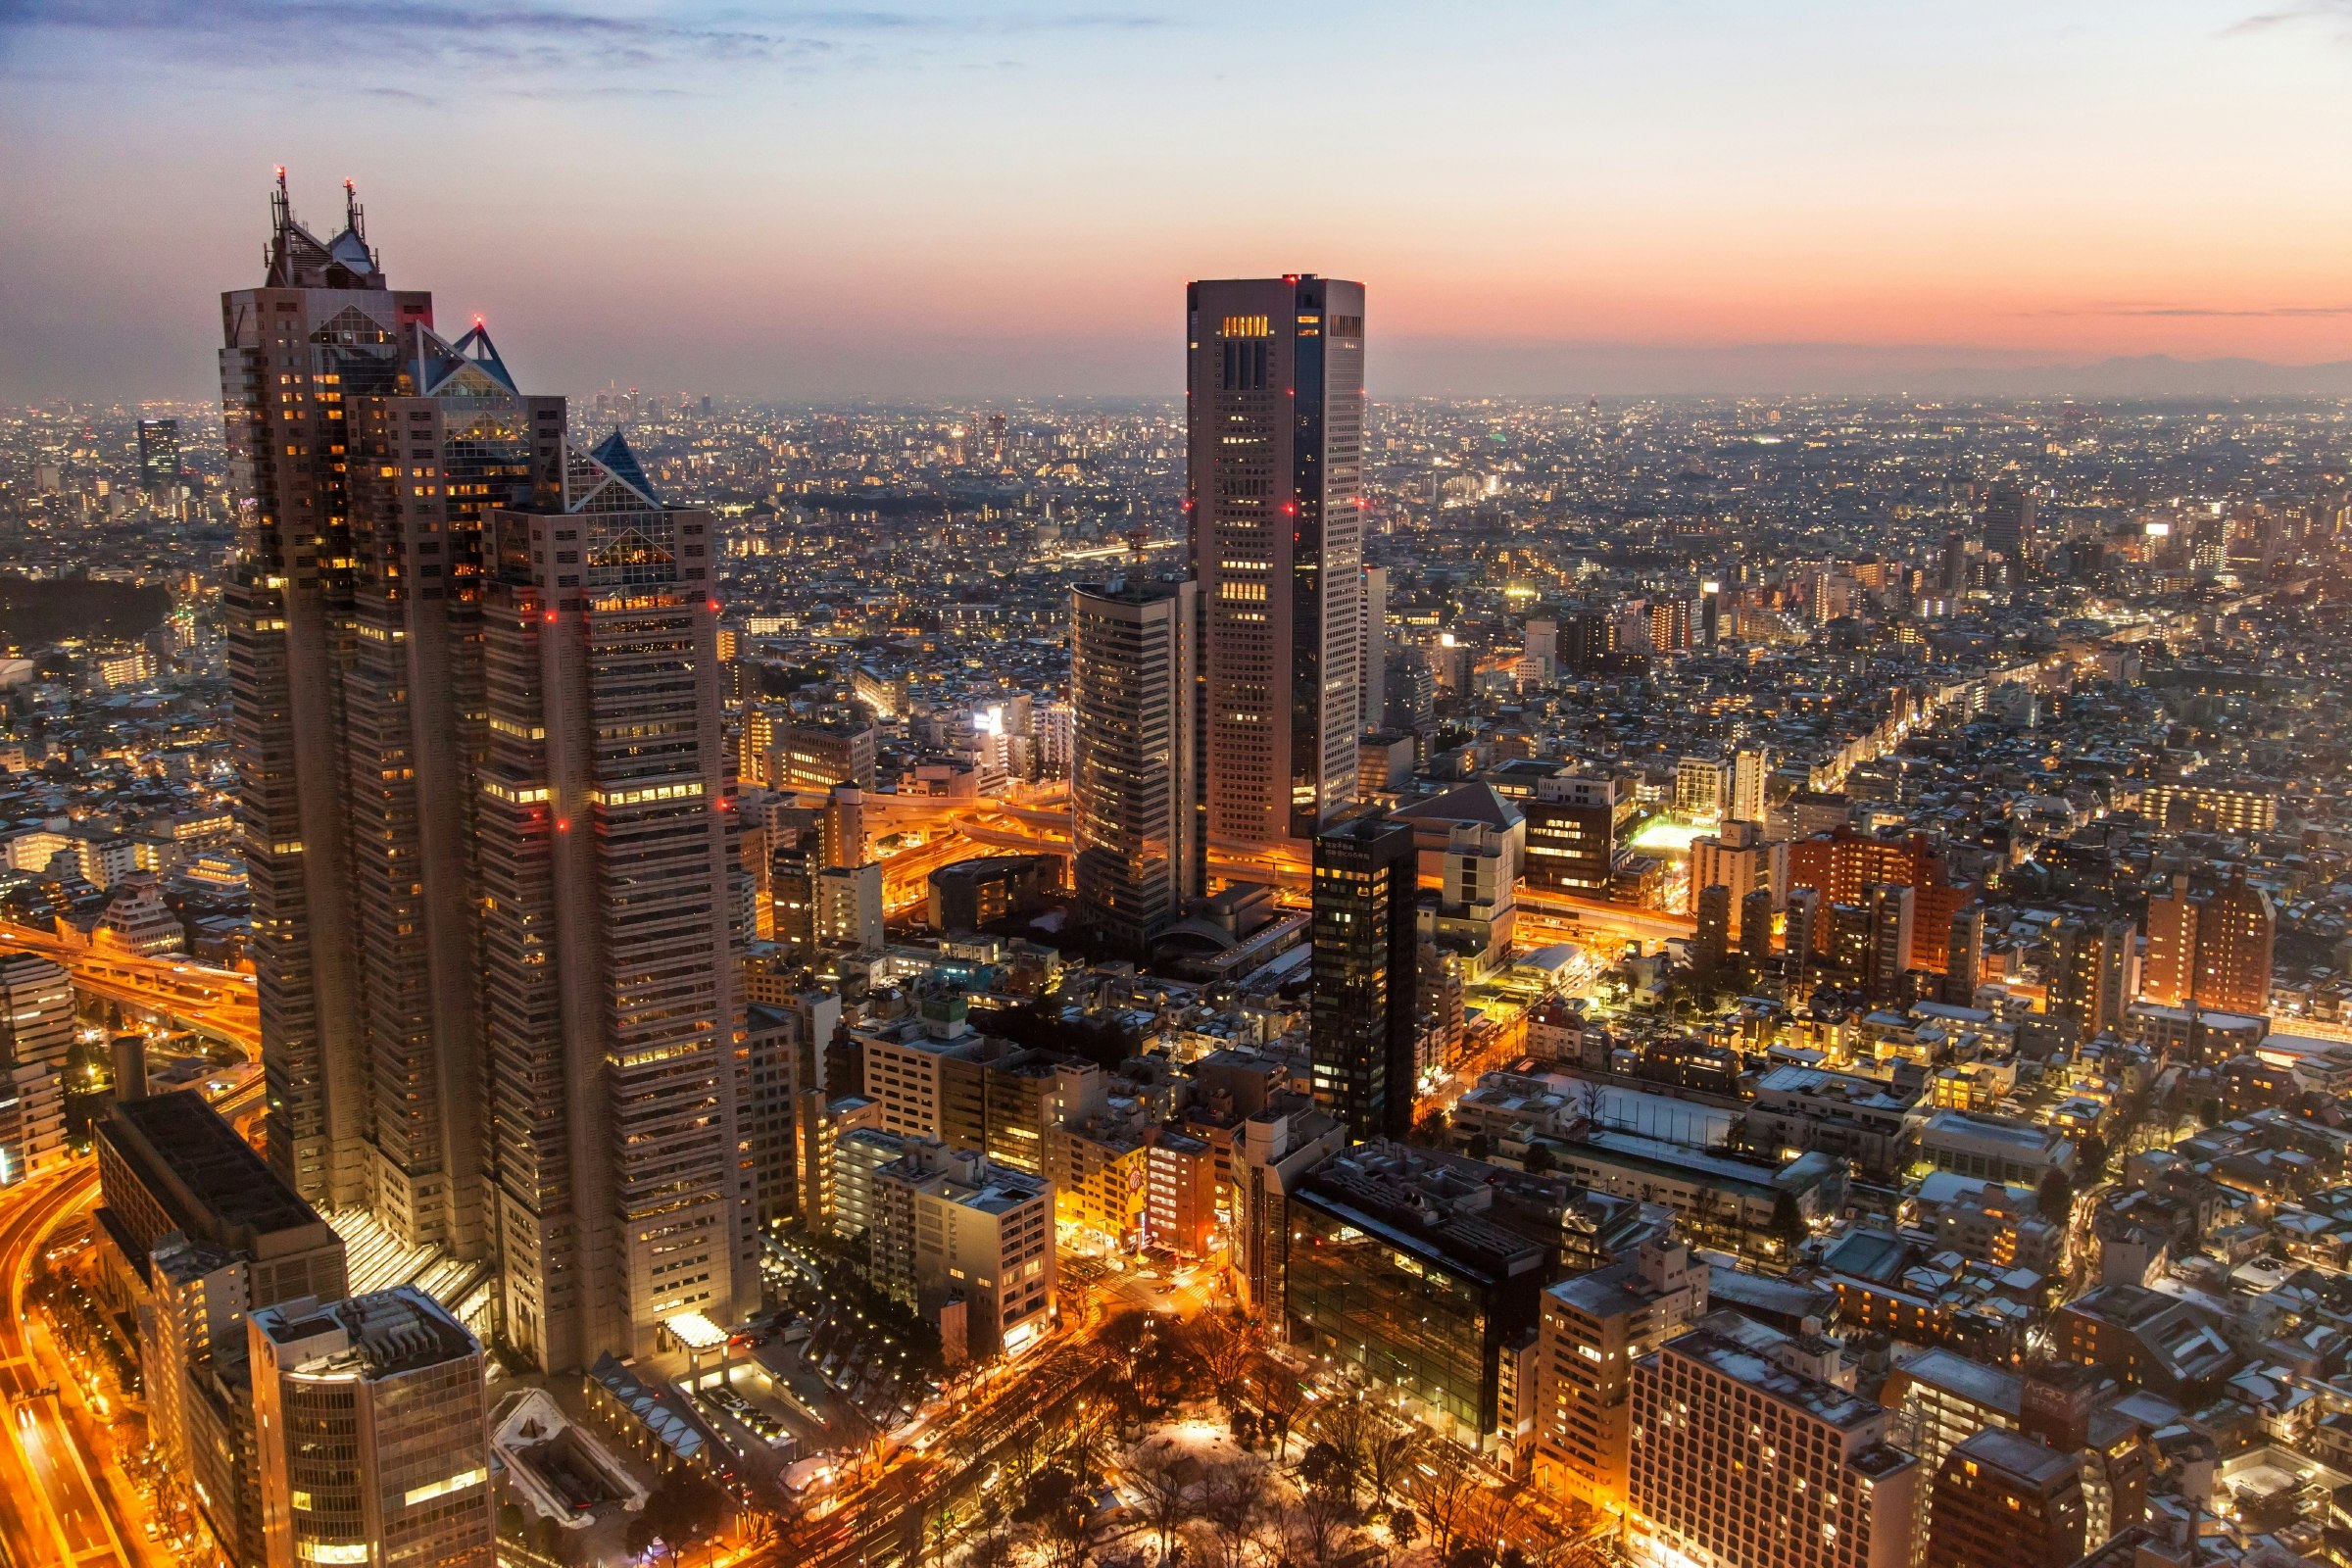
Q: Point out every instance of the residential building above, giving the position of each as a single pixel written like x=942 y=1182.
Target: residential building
x=1594 y=1328
x=2006 y=1501
x=1738 y=1460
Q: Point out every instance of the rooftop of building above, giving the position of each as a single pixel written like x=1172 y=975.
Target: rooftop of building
x=1739 y=1348
x=201 y=1153
x=1423 y=1204
x=1948 y=1371
x=383 y=1333
x=2030 y=1464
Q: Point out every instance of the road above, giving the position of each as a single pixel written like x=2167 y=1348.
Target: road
x=53 y=1509
x=218 y=1004
x=62 y=1512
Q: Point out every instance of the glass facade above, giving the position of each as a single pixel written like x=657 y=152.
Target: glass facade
x=1405 y=1318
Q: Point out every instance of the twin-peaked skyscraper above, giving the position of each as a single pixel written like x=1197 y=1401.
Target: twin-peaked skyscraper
x=483 y=772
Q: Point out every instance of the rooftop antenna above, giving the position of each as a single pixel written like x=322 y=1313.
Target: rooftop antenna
x=353 y=212
x=281 y=214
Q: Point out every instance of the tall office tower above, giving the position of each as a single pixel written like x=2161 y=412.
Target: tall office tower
x=1373 y=663
x=1135 y=820
x=2009 y=524
x=1751 y=770
x=2003 y=1501
x=159 y=458
x=1367 y=977
x=1964 y=954
x=321 y=331
x=428 y=461
x=1273 y=484
x=1887 y=965
x=371 y=1433
x=611 y=998
x=2090 y=982
x=2213 y=950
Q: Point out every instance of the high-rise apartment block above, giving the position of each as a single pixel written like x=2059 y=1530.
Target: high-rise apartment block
x=1741 y=1455
x=1139 y=852
x=2091 y=967
x=1361 y=1030
x=2003 y=1501
x=1594 y=1328
x=371 y=1433
x=36 y=1032
x=1737 y=857
x=1274 y=488
x=2214 y=948
x=1751 y=771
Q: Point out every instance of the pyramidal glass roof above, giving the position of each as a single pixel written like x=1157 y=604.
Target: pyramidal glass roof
x=614 y=454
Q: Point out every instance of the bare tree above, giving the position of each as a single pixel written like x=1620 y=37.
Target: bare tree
x=1315 y=1529
x=1279 y=1394
x=991 y=1548
x=1442 y=1485
x=1232 y=1510
x=1226 y=1345
x=1166 y=1478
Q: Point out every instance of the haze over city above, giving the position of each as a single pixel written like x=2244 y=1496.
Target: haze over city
x=1548 y=199
x=1301 y=786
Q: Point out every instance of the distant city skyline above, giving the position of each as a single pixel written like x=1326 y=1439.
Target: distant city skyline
x=1602 y=197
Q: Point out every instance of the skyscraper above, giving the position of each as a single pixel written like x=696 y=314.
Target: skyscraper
x=1134 y=781
x=2009 y=523
x=611 y=999
x=1276 y=415
x=454 y=439
x=323 y=330
x=1360 y=1031
x=159 y=457
x=481 y=759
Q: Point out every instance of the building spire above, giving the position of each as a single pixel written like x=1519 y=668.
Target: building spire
x=353 y=215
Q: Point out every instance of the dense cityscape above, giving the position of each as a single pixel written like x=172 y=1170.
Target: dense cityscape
x=1260 y=975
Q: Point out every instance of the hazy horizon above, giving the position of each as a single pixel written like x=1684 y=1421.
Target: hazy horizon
x=775 y=201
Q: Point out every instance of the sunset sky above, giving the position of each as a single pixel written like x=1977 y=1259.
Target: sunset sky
x=806 y=203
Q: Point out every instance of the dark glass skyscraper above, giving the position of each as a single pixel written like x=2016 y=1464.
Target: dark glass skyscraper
x=1360 y=1035
x=1276 y=425
x=1134 y=782
x=159 y=457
